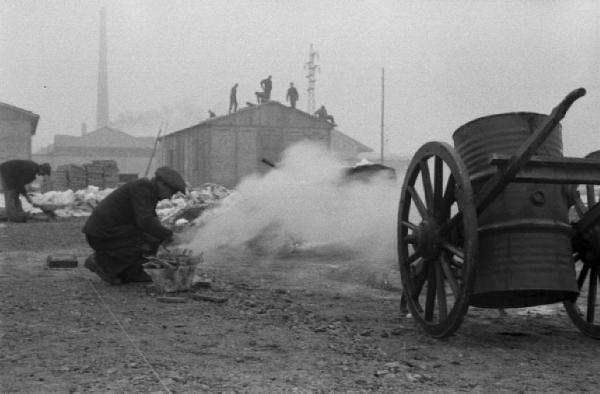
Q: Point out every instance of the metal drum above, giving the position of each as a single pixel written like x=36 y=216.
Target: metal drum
x=525 y=256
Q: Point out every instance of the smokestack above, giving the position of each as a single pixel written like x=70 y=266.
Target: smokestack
x=102 y=104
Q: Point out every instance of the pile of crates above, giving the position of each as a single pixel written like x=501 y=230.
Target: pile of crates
x=100 y=173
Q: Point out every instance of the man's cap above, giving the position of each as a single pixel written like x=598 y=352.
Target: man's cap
x=171 y=178
x=45 y=169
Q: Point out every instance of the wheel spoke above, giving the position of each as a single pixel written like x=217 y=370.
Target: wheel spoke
x=449 y=196
x=441 y=292
x=591 y=301
x=430 y=301
x=448 y=273
x=413 y=257
x=455 y=250
x=438 y=191
x=582 y=275
x=410 y=225
x=418 y=202
x=427 y=187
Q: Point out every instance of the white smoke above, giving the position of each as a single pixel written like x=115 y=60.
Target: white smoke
x=305 y=200
x=183 y=113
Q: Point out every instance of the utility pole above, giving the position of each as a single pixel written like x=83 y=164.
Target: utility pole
x=312 y=68
x=102 y=103
x=382 y=109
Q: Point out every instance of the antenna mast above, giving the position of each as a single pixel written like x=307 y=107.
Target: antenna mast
x=312 y=68
x=382 y=109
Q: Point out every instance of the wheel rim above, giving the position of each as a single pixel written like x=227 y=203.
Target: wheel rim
x=437 y=238
x=582 y=310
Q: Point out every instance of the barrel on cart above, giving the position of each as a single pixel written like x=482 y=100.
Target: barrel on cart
x=499 y=221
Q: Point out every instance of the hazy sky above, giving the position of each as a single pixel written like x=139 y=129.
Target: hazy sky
x=446 y=62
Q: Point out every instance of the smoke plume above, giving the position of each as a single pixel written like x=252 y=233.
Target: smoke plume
x=307 y=202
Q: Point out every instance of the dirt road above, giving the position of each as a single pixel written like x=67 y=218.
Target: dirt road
x=309 y=322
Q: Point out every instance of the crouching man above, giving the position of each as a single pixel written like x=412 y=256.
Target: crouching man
x=124 y=227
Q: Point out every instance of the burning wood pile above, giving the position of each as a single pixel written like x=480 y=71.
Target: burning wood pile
x=172 y=270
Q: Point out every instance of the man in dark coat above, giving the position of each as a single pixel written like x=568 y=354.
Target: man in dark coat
x=124 y=227
x=292 y=95
x=321 y=113
x=15 y=175
x=267 y=85
x=233 y=104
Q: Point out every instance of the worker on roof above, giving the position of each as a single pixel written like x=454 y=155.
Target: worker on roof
x=292 y=95
x=124 y=227
x=267 y=85
x=16 y=174
x=321 y=113
x=211 y=114
x=233 y=104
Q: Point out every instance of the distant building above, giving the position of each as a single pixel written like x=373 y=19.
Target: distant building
x=17 y=126
x=225 y=149
x=131 y=153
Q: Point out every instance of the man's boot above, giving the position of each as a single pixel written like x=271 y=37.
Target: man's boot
x=90 y=263
x=135 y=273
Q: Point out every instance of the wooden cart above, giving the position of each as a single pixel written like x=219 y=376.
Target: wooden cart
x=497 y=221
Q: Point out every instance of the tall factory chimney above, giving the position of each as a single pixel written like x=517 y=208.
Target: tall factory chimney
x=102 y=104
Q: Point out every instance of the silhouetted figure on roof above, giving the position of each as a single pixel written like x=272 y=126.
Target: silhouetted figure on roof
x=321 y=113
x=233 y=104
x=292 y=95
x=267 y=85
x=211 y=114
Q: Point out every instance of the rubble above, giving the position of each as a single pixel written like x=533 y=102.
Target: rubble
x=179 y=212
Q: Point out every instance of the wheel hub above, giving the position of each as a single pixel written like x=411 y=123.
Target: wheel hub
x=428 y=241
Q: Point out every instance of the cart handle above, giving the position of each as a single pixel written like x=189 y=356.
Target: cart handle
x=506 y=174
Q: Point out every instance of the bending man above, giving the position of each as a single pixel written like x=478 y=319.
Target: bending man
x=15 y=175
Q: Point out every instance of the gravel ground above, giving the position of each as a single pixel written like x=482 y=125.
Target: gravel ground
x=310 y=322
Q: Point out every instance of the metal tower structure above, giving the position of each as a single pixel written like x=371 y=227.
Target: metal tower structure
x=312 y=68
x=102 y=103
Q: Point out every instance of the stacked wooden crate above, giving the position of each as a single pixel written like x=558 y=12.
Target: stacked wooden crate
x=110 y=173
x=69 y=176
x=100 y=173
x=94 y=174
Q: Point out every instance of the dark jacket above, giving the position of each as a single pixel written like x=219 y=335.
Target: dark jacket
x=18 y=173
x=128 y=213
x=292 y=94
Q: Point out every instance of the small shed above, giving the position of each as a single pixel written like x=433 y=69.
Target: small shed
x=225 y=149
x=17 y=126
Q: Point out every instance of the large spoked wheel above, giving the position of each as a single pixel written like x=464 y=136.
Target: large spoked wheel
x=437 y=239
x=586 y=256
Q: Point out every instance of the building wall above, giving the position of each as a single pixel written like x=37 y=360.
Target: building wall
x=227 y=149
x=127 y=164
x=15 y=135
x=16 y=130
